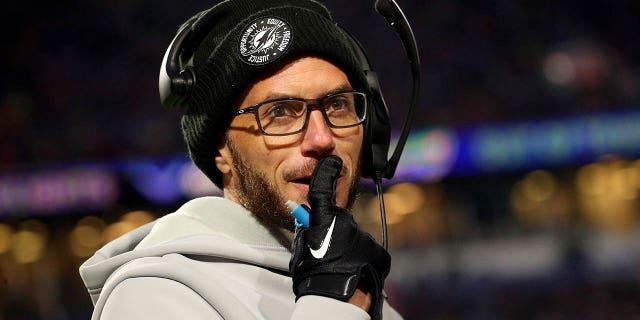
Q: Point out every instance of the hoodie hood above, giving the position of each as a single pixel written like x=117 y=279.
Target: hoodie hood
x=205 y=227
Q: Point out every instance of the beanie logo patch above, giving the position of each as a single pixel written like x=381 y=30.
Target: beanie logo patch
x=264 y=40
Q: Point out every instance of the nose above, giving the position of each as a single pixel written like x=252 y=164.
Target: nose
x=318 y=138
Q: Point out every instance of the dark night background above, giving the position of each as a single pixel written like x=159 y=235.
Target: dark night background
x=79 y=90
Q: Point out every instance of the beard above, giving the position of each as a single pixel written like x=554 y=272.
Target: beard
x=261 y=197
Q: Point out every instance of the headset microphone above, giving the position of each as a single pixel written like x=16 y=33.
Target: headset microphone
x=390 y=10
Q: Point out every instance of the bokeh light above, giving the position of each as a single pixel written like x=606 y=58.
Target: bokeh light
x=6 y=237
x=30 y=242
x=607 y=193
x=126 y=223
x=86 y=237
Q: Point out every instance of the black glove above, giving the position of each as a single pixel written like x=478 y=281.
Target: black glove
x=333 y=256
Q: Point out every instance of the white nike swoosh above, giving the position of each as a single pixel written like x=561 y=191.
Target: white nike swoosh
x=324 y=246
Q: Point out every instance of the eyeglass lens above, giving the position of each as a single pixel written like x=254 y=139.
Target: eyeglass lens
x=287 y=116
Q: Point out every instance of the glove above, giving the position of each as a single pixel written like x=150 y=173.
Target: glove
x=333 y=256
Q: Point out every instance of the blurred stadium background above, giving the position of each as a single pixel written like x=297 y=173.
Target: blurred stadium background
x=517 y=196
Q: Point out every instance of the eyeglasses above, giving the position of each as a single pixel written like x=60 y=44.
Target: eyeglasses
x=281 y=117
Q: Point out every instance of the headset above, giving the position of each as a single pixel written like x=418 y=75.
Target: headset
x=175 y=83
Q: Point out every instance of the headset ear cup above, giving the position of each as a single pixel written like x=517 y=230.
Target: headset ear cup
x=182 y=86
x=377 y=131
x=175 y=83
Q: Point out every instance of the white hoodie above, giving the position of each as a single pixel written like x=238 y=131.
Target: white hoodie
x=211 y=259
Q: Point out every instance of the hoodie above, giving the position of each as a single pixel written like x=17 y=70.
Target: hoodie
x=211 y=259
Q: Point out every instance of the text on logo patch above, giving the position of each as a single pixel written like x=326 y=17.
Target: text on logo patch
x=264 y=40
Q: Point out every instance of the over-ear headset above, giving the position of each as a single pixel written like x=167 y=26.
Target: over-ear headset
x=177 y=79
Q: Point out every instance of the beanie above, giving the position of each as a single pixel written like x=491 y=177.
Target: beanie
x=243 y=40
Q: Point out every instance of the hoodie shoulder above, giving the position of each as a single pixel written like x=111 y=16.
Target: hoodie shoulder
x=205 y=227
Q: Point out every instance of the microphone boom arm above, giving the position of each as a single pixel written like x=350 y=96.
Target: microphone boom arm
x=390 y=10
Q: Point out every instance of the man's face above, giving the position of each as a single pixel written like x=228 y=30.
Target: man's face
x=252 y=162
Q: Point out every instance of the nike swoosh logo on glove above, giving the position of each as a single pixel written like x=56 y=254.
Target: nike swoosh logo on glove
x=324 y=246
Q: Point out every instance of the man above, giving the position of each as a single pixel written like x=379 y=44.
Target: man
x=274 y=112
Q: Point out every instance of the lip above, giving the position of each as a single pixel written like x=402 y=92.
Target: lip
x=303 y=187
x=300 y=179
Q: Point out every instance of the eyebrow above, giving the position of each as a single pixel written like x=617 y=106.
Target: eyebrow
x=340 y=88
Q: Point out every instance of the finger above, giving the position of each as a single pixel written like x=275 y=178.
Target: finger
x=322 y=188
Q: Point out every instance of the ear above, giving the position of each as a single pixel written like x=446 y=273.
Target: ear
x=223 y=159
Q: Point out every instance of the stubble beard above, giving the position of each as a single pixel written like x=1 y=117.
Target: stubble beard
x=261 y=197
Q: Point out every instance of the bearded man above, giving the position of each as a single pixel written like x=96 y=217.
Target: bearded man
x=275 y=103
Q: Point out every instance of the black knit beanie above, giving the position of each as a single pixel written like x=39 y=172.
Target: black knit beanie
x=243 y=40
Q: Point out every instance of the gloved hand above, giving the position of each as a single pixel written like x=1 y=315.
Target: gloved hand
x=333 y=256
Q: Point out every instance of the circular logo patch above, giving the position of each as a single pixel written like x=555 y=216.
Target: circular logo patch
x=264 y=40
